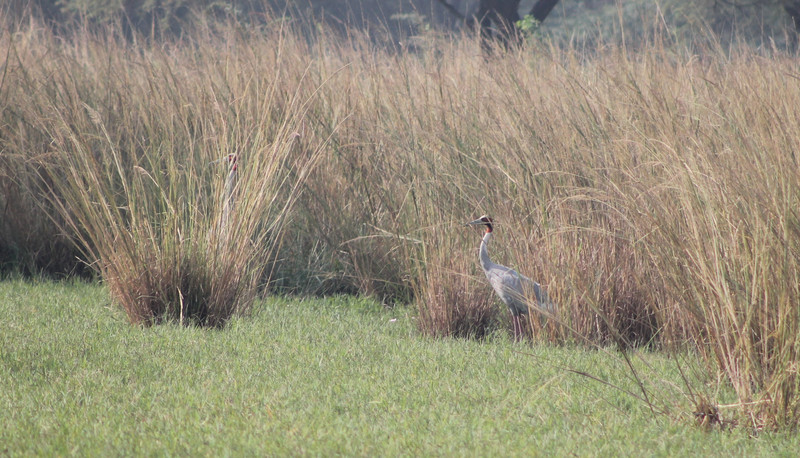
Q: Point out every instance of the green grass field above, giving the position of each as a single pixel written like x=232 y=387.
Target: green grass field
x=321 y=377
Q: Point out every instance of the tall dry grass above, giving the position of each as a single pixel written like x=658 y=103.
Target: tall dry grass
x=653 y=193
x=132 y=162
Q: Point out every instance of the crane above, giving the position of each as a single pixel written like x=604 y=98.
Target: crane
x=517 y=291
x=227 y=199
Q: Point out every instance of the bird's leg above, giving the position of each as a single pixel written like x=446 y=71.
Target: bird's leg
x=523 y=330
x=514 y=323
x=526 y=331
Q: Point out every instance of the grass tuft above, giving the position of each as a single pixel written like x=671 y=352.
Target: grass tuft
x=133 y=168
x=451 y=300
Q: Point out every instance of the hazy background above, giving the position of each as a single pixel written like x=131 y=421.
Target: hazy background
x=757 y=22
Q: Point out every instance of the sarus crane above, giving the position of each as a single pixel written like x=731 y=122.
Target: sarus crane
x=517 y=291
x=227 y=198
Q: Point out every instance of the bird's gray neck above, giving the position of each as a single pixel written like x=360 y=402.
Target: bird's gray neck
x=486 y=263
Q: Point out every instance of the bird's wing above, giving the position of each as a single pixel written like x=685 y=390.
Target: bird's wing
x=537 y=295
x=507 y=283
x=518 y=291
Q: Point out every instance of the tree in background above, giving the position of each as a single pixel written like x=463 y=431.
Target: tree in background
x=159 y=17
x=499 y=19
x=755 y=21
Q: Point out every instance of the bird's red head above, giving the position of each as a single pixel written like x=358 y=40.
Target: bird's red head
x=232 y=158
x=483 y=220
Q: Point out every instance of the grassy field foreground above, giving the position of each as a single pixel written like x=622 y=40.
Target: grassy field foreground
x=307 y=377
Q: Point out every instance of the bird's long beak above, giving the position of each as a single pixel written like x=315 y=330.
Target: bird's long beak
x=477 y=221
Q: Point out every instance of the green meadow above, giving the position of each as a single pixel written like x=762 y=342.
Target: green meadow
x=319 y=377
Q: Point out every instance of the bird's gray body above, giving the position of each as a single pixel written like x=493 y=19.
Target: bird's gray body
x=515 y=290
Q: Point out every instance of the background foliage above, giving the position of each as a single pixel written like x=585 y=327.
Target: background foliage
x=590 y=21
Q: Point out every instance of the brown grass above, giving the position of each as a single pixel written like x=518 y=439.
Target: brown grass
x=132 y=165
x=452 y=296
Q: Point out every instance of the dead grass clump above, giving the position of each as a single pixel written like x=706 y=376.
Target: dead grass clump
x=451 y=300
x=187 y=292
x=133 y=168
x=605 y=284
